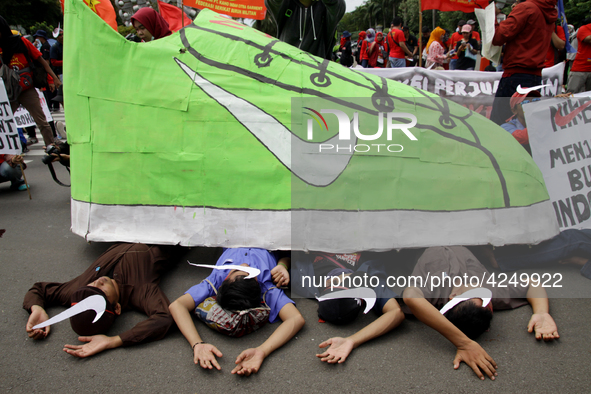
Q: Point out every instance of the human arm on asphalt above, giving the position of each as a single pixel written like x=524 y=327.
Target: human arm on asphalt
x=468 y=351
x=38 y=315
x=94 y=345
x=340 y=348
x=37 y=298
x=541 y=323
x=250 y=360
x=204 y=354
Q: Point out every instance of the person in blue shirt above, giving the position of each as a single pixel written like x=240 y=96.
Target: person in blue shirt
x=234 y=292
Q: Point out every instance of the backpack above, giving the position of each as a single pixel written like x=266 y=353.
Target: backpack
x=38 y=71
x=11 y=82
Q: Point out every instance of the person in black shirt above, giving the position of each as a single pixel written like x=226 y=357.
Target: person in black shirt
x=346 y=53
x=41 y=35
x=413 y=46
x=467 y=50
x=45 y=49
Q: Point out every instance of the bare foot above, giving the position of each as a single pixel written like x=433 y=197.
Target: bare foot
x=576 y=260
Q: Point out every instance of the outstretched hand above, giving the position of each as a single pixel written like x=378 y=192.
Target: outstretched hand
x=280 y=276
x=477 y=359
x=204 y=355
x=544 y=326
x=339 y=350
x=95 y=344
x=38 y=315
x=249 y=362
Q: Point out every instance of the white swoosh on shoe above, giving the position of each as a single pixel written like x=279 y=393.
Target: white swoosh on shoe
x=314 y=168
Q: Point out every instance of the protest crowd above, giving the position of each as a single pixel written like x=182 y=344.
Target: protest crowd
x=253 y=289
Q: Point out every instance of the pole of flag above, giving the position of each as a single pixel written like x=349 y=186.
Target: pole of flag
x=420 y=34
x=180 y=4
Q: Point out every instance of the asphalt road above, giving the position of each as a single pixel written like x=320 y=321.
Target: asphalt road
x=38 y=246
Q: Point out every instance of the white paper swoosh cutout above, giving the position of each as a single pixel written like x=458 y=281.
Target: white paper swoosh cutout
x=365 y=293
x=483 y=293
x=95 y=302
x=251 y=271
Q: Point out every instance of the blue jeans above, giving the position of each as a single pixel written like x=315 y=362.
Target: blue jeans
x=453 y=64
x=7 y=173
x=397 y=63
x=364 y=63
x=566 y=244
x=501 y=110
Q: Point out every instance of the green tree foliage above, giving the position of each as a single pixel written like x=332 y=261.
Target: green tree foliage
x=577 y=11
x=42 y=26
x=28 y=13
x=125 y=30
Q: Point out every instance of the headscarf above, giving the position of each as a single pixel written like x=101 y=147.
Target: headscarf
x=379 y=36
x=10 y=43
x=371 y=35
x=435 y=36
x=152 y=21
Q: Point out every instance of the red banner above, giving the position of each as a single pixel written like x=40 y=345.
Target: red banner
x=251 y=9
x=172 y=15
x=452 y=5
x=105 y=10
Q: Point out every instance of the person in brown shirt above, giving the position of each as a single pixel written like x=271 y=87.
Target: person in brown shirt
x=127 y=275
x=450 y=271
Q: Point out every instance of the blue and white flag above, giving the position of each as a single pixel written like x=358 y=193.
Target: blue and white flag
x=564 y=25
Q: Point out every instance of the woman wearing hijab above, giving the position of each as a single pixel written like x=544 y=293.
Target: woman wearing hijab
x=150 y=25
x=362 y=49
x=369 y=40
x=346 y=54
x=16 y=52
x=376 y=51
x=435 y=51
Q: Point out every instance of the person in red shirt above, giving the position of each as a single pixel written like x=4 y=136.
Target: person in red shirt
x=579 y=79
x=396 y=43
x=16 y=52
x=453 y=43
x=557 y=44
x=475 y=34
x=526 y=34
x=362 y=49
x=376 y=51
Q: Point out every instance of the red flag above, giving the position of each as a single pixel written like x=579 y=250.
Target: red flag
x=252 y=9
x=105 y=10
x=172 y=15
x=453 y=5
